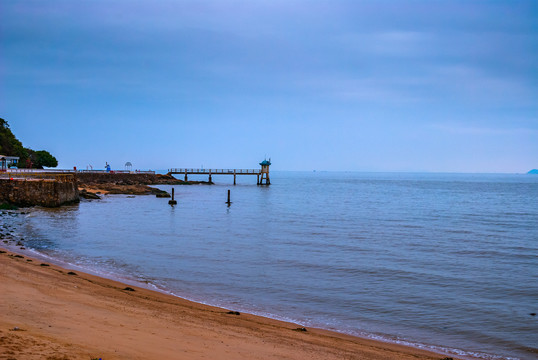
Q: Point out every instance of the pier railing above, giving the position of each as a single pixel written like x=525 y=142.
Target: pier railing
x=72 y=171
x=33 y=176
x=214 y=171
x=37 y=171
x=117 y=171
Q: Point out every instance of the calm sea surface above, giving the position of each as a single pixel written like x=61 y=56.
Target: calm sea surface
x=445 y=261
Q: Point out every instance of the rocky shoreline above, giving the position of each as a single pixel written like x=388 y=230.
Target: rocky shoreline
x=55 y=191
x=93 y=185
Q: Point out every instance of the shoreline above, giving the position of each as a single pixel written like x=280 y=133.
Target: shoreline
x=85 y=315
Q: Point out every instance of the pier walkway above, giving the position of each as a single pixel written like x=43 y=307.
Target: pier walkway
x=210 y=172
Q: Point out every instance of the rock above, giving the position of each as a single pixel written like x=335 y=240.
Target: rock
x=129 y=289
x=160 y=193
x=71 y=273
x=233 y=313
x=43 y=264
x=532 y=314
x=19 y=256
x=302 y=329
x=85 y=194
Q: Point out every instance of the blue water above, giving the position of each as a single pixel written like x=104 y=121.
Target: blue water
x=444 y=261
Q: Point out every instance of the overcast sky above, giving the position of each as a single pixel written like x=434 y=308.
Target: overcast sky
x=327 y=85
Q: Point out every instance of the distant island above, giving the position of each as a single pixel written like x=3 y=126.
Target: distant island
x=533 y=171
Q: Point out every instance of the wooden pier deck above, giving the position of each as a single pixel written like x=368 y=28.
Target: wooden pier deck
x=211 y=172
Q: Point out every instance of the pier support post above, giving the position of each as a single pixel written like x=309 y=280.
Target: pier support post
x=234 y=177
x=172 y=202
x=258 y=179
x=265 y=172
x=210 y=176
x=186 y=178
x=266 y=176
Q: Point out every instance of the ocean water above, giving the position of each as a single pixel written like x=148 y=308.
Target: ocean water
x=442 y=261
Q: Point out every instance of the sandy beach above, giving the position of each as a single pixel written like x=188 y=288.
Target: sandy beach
x=53 y=313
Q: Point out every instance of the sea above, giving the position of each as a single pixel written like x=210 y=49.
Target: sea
x=445 y=262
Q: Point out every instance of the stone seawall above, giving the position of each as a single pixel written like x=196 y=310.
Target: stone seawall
x=52 y=190
x=48 y=192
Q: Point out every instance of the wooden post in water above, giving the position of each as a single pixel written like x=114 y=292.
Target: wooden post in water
x=234 y=176
x=172 y=202
x=210 y=176
x=228 y=202
x=186 y=178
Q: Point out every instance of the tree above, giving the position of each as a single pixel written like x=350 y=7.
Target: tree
x=42 y=158
x=9 y=144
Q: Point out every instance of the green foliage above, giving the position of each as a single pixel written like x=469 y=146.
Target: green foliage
x=6 y=206
x=11 y=146
x=41 y=158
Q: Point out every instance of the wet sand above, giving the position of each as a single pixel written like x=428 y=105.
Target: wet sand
x=48 y=313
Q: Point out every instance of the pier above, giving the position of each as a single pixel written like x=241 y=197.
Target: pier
x=261 y=174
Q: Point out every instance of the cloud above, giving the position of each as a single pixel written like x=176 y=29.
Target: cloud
x=378 y=90
x=474 y=85
x=460 y=129
x=389 y=43
x=381 y=70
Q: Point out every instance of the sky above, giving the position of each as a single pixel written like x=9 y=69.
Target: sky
x=436 y=86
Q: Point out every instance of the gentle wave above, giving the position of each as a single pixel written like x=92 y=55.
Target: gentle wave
x=414 y=258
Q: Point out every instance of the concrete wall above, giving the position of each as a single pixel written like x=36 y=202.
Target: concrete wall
x=50 y=192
